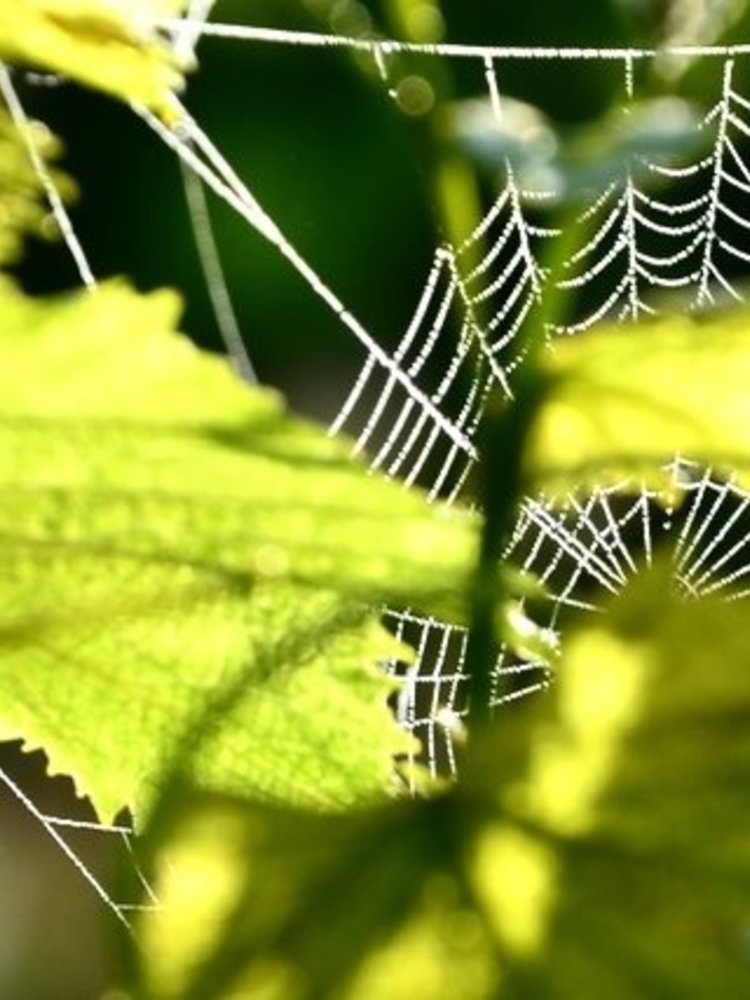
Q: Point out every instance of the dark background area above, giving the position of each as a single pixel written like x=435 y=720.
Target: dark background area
x=346 y=177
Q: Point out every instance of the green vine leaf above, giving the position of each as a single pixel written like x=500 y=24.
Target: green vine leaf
x=110 y=45
x=178 y=551
x=597 y=843
x=622 y=401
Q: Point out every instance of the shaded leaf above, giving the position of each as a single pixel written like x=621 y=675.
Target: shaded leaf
x=107 y=44
x=597 y=846
x=281 y=904
x=174 y=544
x=633 y=804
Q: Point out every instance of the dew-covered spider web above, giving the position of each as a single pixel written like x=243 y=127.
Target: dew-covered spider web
x=678 y=225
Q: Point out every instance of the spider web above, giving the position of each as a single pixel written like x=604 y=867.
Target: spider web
x=415 y=417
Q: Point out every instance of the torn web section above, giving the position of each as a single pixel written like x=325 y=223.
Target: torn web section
x=584 y=548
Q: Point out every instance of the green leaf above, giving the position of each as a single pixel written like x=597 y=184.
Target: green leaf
x=107 y=44
x=174 y=544
x=280 y=904
x=597 y=846
x=641 y=783
x=21 y=207
x=622 y=401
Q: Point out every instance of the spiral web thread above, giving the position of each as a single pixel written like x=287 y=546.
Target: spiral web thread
x=416 y=418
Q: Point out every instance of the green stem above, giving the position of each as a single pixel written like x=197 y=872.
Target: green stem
x=502 y=436
x=502 y=440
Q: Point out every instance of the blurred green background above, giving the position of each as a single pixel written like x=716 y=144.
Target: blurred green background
x=347 y=177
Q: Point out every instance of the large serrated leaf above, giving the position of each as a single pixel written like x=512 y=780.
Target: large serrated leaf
x=107 y=44
x=172 y=541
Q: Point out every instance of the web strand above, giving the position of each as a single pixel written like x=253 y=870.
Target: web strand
x=221 y=178
x=186 y=38
x=446 y=50
x=52 y=826
x=213 y=272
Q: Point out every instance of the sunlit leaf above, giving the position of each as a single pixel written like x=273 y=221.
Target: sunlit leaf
x=108 y=44
x=173 y=544
x=622 y=401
